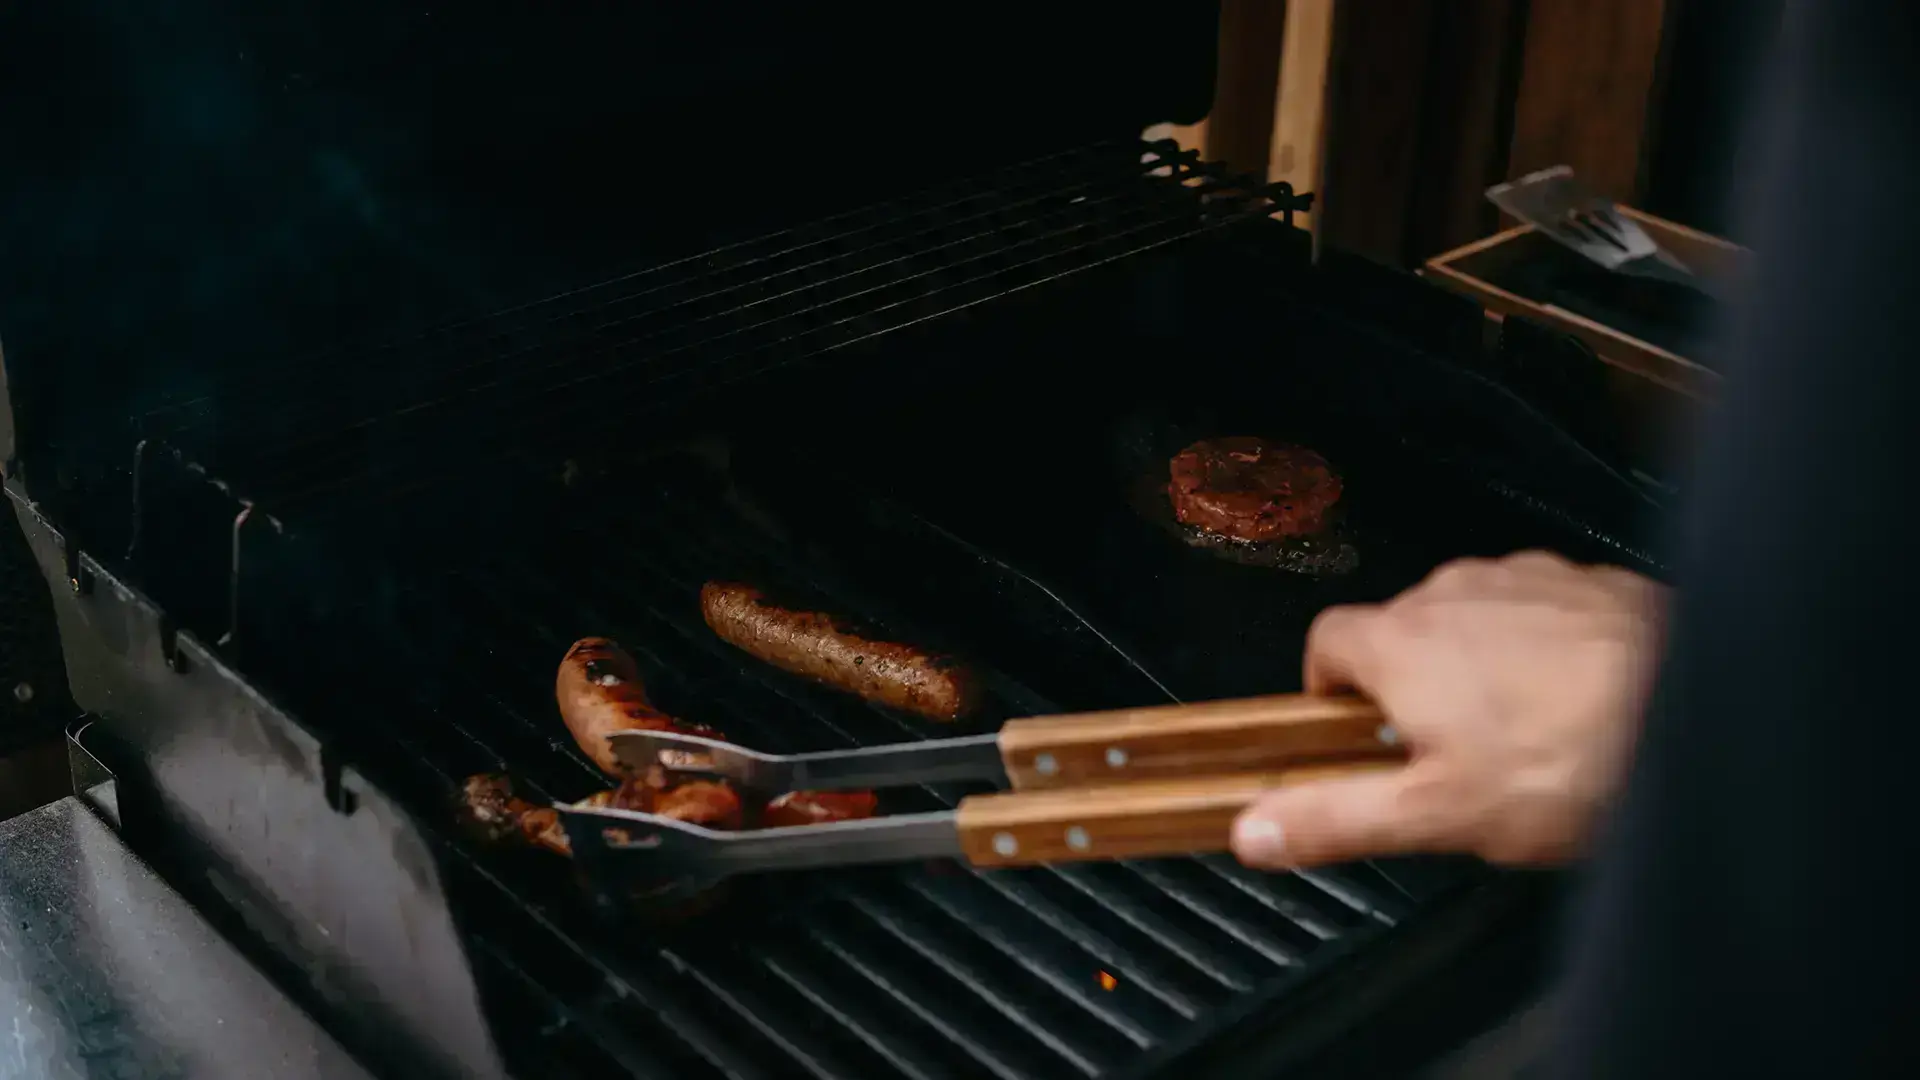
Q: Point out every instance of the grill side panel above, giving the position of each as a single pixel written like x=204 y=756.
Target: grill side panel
x=262 y=796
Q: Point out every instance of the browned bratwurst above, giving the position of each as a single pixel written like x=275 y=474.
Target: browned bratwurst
x=599 y=692
x=813 y=645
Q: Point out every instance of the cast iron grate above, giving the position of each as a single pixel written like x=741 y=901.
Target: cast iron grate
x=923 y=971
x=565 y=368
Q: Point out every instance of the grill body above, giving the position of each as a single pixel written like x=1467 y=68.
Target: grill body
x=316 y=596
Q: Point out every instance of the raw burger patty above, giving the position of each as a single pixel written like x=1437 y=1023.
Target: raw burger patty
x=1250 y=489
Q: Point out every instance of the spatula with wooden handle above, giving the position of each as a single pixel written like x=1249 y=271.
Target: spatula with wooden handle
x=1132 y=783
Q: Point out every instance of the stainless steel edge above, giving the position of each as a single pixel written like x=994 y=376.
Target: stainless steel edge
x=242 y=779
x=105 y=971
x=8 y=439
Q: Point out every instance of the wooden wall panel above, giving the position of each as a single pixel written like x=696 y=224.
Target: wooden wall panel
x=1240 y=127
x=1374 y=111
x=1295 y=151
x=1590 y=79
x=1472 y=72
x=1398 y=115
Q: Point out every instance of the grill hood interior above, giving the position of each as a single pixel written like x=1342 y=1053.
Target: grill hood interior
x=211 y=184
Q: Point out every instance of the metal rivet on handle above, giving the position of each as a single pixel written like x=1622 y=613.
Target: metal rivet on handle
x=1116 y=757
x=1077 y=839
x=1045 y=765
x=1005 y=846
x=23 y=692
x=1386 y=735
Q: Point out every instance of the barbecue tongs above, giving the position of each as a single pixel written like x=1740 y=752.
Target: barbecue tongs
x=1132 y=783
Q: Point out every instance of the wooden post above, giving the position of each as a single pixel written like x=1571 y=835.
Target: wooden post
x=1590 y=78
x=1300 y=102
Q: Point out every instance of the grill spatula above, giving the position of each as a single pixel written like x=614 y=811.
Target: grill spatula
x=1552 y=201
x=1132 y=783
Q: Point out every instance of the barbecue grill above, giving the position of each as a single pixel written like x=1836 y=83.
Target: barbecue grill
x=304 y=598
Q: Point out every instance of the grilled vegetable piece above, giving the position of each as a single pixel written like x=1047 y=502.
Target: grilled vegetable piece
x=489 y=806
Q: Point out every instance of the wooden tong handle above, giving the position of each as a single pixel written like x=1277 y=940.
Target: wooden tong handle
x=1123 y=821
x=1260 y=734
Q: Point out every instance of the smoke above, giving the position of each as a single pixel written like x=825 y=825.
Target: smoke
x=180 y=195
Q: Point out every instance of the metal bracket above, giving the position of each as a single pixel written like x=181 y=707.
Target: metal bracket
x=238 y=778
x=93 y=782
x=9 y=439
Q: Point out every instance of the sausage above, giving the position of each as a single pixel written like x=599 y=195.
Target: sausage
x=599 y=692
x=814 y=645
x=700 y=802
x=712 y=803
x=817 y=808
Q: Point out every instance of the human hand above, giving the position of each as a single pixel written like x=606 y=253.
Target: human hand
x=1516 y=683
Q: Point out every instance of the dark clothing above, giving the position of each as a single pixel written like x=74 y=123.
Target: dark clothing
x=1754 y=911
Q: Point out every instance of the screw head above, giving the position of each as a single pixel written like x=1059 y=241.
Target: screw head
x=23 y=692
x=1005 y=846
x=1077 y=839
x=1045 y=765
x=1116 y=757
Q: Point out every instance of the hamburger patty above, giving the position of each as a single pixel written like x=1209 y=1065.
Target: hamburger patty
x=1250 y=489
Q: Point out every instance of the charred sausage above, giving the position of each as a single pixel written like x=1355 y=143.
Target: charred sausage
x=815 y=646
x=599 y=692
x=817 y=808
x=700 y=802
x=711 y=803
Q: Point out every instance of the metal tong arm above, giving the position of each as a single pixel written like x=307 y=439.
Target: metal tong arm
x=673 y=847
x=893 y=765
x=1260 y=734
x=1117 y=821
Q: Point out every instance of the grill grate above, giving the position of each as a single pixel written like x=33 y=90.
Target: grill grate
x=924 y=971
x=578 y=363
x=919 y=971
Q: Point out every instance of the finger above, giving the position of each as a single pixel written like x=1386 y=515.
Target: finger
x=1645 y=591
x=1340 y=652
x=1341 y=819
x=1453 y=577
x=1540 y=565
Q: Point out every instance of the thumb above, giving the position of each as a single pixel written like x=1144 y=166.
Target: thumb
x=1337 y=819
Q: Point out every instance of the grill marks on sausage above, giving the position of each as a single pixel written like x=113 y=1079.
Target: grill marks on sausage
x=599 y=692
x=817 y=646
x=817 y=808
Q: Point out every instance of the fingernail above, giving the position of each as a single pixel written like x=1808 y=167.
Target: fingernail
x=1260 y=840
